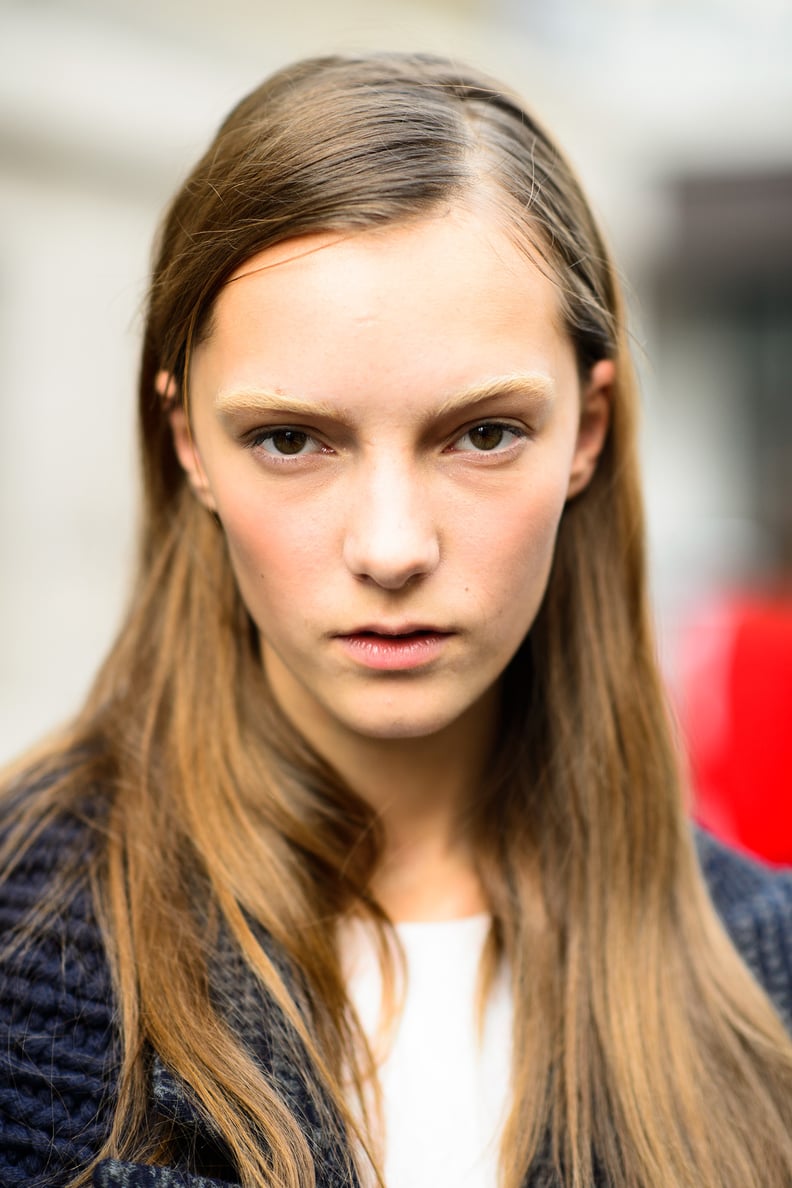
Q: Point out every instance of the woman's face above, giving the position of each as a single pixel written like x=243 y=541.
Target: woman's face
x=388 y=424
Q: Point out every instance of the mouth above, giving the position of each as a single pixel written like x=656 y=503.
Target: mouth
x=398 y=631
x=393 y=650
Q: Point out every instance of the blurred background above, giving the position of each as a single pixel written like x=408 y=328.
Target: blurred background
x=678 y=115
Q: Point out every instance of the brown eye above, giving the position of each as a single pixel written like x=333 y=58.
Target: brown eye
x=487 y=438
x=285 y=443
x=289 y=441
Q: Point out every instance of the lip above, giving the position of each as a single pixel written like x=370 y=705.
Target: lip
x=393 y=649
x=411 y=627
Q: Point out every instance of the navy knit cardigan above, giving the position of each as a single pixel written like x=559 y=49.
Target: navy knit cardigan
x=59 y=1044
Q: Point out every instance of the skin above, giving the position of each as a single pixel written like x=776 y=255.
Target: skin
x=388 y=425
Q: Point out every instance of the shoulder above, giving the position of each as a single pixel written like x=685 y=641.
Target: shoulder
x=58 y=1044
x=754 y=902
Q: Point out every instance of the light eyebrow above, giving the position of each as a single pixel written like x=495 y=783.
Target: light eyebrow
x=254 y=400
x=537 y=387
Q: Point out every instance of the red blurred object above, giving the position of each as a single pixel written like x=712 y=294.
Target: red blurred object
x=736 y=702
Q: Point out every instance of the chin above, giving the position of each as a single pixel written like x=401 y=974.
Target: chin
x=393 y=725
x=396 y=731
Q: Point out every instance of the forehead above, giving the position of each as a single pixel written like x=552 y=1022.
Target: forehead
x=434 y=302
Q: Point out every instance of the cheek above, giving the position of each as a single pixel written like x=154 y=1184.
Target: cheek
x=514 y=550
x=279 y=552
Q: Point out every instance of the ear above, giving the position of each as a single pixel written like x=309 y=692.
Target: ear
x=183 y=441
x=595 y=408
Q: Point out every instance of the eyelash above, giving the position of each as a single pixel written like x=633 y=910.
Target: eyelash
x=514 y=430
x=263 y=435
x=257 y=440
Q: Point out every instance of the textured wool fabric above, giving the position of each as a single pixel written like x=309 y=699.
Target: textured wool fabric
x=58 y=1045
x=59 y=1048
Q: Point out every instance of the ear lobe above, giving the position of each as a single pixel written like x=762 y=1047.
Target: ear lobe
x=595 y=401
x=184 y=443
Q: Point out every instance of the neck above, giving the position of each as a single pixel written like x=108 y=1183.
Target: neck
x=421 y=789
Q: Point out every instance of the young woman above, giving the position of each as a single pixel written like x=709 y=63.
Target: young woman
x=366 y=861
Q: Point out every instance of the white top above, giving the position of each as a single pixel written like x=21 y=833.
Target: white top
x=445 y=1096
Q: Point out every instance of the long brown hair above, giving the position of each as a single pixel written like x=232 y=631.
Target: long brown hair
x=642 y=1045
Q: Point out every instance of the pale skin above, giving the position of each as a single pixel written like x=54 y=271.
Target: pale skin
x=388 y=425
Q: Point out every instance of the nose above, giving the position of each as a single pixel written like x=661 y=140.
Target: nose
x=390 y=537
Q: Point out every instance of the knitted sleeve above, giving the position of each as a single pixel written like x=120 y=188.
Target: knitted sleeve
x=58 y=1048
x=755 y=905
